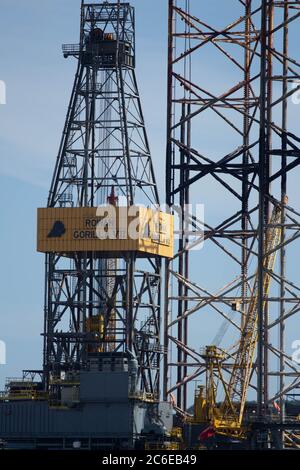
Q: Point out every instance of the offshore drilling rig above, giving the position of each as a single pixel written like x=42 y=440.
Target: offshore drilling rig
x=105 y=239
x=233 y=144
x=100 y=381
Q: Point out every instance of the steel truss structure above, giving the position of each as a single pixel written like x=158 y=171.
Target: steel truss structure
x=233 y=145
x=94 y=303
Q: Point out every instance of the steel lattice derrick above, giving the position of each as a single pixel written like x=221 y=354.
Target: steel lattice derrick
x=94 y=303
x=233 y=145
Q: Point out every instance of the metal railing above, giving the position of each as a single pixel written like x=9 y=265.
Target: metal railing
x=70 y=49
x=144 y=396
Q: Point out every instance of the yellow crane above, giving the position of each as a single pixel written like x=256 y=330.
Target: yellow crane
x=227 y=418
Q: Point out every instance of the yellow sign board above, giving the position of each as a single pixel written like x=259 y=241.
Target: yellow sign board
x=105 y=230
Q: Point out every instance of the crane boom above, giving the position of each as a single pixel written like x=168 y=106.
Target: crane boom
x=228 y=417
x=241 y=374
